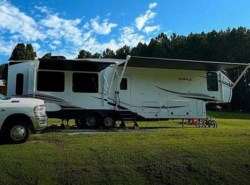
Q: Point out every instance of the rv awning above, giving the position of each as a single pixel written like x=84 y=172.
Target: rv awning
x=165 y=63
x=74 y=65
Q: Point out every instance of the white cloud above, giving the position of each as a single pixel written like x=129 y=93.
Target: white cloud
x=149 y=29
x=86 y=26
x=43 y=9
x=16 y=22
x=52 y=46
x=129 y=37
x=59 y=28
x=102 y=28
x=142 y=20
x=52 y=32
x=57 y=42
x=36 y=46
x=152 y=5
x=6 y=47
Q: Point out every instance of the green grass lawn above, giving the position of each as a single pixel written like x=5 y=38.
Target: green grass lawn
x=169 y=154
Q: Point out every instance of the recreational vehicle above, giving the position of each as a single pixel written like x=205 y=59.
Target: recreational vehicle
x=97 y=92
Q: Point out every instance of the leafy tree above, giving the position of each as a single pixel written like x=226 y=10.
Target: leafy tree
x=46 y=56
x=84 y=54
x=4 y=72
x=123 y=52
x=108 y=53
x=139 y=50
x=96 y=55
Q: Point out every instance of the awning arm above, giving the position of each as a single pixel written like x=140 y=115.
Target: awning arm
x=241 y=75
x=124 y=68
x=113 y=77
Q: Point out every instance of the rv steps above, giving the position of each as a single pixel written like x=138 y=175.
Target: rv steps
x=125 y=115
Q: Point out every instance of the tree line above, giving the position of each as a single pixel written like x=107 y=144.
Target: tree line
x=230 y=45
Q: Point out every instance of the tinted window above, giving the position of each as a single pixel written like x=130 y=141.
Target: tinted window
x=212 y=81
x=124 y=84
x=85 y=82
x=50 y=81
x=19 y=84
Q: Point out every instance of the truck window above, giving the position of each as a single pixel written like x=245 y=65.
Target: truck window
x=212 y=81
x=50 y=81
x=85 y=82
x=19 y=84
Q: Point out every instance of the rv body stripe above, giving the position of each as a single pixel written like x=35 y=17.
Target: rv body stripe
x=152 y=107
x=197 y=96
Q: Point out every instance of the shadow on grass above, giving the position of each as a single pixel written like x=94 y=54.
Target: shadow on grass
x=3 y=141
x=116 y=129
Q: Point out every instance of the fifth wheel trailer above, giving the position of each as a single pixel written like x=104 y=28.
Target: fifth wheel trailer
x=98 y=91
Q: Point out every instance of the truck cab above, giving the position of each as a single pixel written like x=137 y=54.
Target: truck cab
x=19 y=117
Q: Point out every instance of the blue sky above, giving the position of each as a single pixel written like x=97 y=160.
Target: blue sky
x=64 y=27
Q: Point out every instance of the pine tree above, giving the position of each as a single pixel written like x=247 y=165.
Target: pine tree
x=18 y=52
x=22 y=52
x=29 y=52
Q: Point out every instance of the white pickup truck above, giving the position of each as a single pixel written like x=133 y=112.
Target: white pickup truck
x=19 y=117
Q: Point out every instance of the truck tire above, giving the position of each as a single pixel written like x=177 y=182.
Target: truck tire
x=18 y=132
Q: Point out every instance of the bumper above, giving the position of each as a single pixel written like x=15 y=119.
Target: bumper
x=39 y=123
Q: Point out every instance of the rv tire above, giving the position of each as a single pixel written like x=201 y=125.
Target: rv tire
x=91 y=121
x=79 y=123
x=108 y=122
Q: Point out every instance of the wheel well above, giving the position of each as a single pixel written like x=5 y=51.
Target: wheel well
x=20 y=117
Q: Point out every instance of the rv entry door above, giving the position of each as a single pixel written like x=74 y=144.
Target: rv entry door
x=125 y=93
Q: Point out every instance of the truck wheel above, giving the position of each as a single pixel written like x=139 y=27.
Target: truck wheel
x=108 y=122
x=18 y=132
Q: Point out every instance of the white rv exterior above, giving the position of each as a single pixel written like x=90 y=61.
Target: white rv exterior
x=88 y=90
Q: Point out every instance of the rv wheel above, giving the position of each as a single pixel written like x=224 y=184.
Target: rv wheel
x=91 y=121
x=108 y=122
x=79 y=123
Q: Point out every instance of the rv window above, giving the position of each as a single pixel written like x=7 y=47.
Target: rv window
x=19 y=84
x=124 y=84
x=212 y=81
x=50 y=81
x=85 y=82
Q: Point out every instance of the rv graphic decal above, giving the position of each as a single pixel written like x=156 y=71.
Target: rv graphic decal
x=197 y=96
x=124 y=108
x=52 y=99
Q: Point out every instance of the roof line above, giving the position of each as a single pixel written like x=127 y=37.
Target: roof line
x=191 y=61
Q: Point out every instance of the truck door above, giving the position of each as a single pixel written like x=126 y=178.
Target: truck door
x=3 y=109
